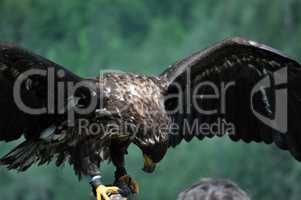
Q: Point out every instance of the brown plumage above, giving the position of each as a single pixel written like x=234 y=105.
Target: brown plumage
x=143 y=108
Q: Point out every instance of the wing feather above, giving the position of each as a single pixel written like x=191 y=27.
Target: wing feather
x=14 y=61
x=244 y=63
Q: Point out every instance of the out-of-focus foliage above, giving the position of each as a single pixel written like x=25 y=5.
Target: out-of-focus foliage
x=145 y=37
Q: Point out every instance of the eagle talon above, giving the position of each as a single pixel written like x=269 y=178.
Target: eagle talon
x=103 y=192
x=127 y=181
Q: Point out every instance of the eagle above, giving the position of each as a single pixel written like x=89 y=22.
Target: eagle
x=237 y=88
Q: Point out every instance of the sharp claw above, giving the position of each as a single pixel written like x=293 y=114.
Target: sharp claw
x=131 y=183
x=103 y=191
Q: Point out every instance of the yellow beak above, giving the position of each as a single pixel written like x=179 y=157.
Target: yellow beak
x=149 y=165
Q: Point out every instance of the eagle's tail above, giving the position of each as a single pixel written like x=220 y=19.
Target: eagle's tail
x=21 y=157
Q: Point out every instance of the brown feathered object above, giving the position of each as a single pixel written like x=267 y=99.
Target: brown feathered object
x=238 y=88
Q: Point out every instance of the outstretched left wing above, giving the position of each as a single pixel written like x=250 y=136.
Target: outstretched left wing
x=45 y=85
x=249 y=88
x=39 y=82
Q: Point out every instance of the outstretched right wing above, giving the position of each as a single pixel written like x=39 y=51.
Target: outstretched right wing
x=260 y=76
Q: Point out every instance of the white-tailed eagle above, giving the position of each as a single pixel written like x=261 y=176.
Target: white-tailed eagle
x=249 y=88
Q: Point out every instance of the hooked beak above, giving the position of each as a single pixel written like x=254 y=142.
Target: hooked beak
x=149 y=164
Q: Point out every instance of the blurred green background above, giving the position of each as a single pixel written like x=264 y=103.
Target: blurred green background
x=145 y=37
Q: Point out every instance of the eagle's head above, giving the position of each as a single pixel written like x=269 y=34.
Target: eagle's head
x=152 y=155
x=154 y=146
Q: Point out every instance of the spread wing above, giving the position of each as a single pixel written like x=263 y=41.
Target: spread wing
x=15 y=63
x=250 y=89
